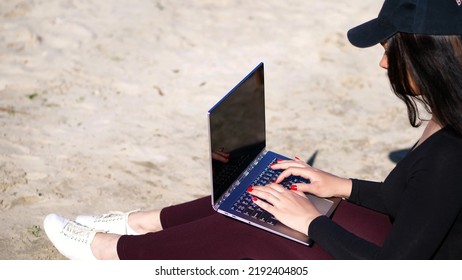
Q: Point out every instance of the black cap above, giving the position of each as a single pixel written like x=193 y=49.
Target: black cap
x=429 y=17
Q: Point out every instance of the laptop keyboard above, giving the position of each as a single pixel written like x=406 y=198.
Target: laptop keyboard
x=245 y=204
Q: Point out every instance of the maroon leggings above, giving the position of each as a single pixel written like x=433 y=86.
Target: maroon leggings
x=194 y=231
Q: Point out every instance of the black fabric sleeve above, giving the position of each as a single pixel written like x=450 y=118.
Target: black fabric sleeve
x=368 y=194
x=429 y=208
x=340 y=243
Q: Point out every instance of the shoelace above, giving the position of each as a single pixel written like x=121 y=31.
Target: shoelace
x=77 y=232
x=114 y=216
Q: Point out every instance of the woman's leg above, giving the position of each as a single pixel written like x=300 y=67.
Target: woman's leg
x=140 y=222
x=194 y=230
x=214 y=237
x=368 y=224
x=104 y=246
x=186 y=212
x=144 y=221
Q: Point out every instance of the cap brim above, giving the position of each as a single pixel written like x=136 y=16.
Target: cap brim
x=370 y=33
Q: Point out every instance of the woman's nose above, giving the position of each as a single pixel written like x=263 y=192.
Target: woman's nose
x=384 y=62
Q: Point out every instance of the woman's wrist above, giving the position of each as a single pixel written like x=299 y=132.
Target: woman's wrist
x=345 y=188
x=309 y=220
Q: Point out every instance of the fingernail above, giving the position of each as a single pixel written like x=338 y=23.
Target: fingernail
x=250 y=189
x=254 y=198
x=271 y=164
x=279 y=160
x=297 y=158
x=293 y=187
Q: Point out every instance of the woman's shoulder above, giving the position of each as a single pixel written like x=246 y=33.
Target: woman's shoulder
x=444 y=144
x=451 y=138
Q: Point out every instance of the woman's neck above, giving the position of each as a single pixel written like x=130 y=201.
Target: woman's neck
x=431 y=128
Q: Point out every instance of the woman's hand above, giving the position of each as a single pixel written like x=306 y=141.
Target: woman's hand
x=321 y=184
x=291 y=208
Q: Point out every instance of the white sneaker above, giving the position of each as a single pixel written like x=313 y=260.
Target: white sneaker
x=72 y=239
x=113 y=222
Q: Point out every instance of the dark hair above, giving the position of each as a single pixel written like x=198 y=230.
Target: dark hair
x=428 y=70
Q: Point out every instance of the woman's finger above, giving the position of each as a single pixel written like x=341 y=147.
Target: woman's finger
x=293 y=171
x=266 y=193
x=284 y=164
x=276 y=187
x=303 y=187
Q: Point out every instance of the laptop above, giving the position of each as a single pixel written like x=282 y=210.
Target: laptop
x=239 y=159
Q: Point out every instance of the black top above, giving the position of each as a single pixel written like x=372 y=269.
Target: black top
x=423 y=197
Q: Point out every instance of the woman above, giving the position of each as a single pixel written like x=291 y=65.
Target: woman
x=422 y=196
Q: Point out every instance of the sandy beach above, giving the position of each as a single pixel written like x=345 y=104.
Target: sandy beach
x=103 y=103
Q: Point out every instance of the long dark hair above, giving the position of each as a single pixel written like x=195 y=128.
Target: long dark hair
x=428 y=70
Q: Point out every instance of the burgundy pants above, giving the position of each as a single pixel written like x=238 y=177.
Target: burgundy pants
x=194 y=231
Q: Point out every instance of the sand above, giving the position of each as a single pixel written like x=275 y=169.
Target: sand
x=103 y=103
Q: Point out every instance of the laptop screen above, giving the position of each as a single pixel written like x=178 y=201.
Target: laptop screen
x=237 y=130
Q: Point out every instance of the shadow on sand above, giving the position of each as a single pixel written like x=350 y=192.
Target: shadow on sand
x=398 y=155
